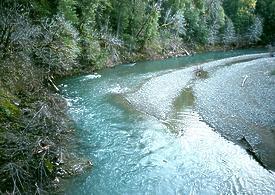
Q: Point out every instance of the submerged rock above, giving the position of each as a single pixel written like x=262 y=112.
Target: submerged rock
x=81 y=167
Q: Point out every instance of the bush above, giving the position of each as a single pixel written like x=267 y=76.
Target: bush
x=17 y=33
x=57 y=49
x=200 y=72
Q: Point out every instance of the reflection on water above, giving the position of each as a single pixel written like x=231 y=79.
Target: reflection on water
x=138 y=153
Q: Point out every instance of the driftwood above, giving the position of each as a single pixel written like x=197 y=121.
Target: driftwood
x=52 y=84
x=245 y=78
x=186 y=52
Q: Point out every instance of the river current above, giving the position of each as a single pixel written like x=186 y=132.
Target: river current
x=145 y=130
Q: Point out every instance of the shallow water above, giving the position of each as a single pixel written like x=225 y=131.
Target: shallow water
x=141 y=127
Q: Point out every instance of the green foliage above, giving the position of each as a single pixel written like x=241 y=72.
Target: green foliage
x=49 y=165
x=43 y=8
x=120 y=16
x=255 y=30
x=90 y=50
x=266 y=9
x=137 y=21
x=152 y=27
x=178 y=23
x=8 y=110
x=149 y=28
x=43 y=38
x=229 y=34
x=241 y=13
x=138 y=24
x=68 y=9
x=196 y=26
x=94 y=32
x=17 y=33
x=58 y=46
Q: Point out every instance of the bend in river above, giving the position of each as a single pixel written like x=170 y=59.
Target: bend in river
x=155 y=128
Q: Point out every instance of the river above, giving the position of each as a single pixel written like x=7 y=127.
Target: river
x=154 y=128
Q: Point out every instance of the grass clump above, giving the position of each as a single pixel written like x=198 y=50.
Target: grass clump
x=8 y=108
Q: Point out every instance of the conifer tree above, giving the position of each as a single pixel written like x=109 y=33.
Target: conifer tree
x=229 y=35
x=255 y=31
x=68 y=9
x=266 y=9
x=242 y=13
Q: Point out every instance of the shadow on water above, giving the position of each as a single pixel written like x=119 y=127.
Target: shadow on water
x=185 y=100
x=118 y=100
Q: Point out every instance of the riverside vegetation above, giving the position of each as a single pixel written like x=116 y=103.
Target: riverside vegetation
x=41 y=41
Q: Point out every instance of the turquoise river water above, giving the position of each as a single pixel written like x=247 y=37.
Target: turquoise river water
x=141 y=125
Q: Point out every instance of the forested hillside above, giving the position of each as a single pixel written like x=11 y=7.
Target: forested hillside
x=100 y=32
x=41 y=40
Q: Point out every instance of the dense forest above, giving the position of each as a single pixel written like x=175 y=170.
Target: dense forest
x=43 y=40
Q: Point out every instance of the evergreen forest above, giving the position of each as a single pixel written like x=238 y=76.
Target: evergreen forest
x=42 y=41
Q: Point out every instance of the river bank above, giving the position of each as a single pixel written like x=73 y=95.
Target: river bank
x=36 y=134
x=43 y=42
x=35 y=122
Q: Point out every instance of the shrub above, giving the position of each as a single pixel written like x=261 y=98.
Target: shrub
x=17 y=33
x=200 y=73
x=57 y=49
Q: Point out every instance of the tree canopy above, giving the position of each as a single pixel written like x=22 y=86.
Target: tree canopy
x=103 y=27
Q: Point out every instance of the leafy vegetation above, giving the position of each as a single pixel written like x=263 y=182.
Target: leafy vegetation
x=43 y=40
